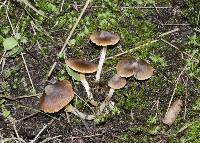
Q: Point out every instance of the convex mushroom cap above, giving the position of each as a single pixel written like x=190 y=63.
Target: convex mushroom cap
x=142 y=70
x=117 y=82
x=125 y=68
x=56 y=96
x=81 y=66
x=104 y=38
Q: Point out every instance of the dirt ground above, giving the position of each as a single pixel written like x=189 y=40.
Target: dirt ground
x=139 y=107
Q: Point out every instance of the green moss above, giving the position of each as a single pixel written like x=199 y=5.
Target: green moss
x=134 y=99
x=192 y=12
x=192 y=134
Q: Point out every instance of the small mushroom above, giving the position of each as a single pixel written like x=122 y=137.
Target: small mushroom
x=116 y=82
x=125 y=68
x=103 y=38
x=142 y=70
x=83 y=67
x=57 y=96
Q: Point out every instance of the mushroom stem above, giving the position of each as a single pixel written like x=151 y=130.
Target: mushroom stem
x=76 y=112
x=106 y=101
x=88 y=90
x=101 y=61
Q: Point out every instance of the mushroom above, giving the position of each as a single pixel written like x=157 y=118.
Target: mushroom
x=116 y=82
x=57 y=96
x=83 y=67
x=104 y=39
x=125 y=68
x=142 y=70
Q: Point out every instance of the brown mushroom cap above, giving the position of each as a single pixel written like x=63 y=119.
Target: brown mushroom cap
x=142 y=70
x=117 y=82
x=56 y=96
x=81 y=65
x=104 y=38
x=125 y=68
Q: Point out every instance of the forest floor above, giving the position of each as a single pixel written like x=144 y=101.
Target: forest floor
x=157 y=32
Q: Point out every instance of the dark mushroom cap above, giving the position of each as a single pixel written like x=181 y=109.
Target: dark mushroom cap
x=117 y=82
x=56 y=96
x=81 y=65
x=142 y=70
x=125 y=68
x=104 y=38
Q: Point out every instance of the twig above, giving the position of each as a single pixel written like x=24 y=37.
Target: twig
x=87 y=136
x=165 y=41
x=50 y=138
x=134 y=7
x=2 y=57
x=34 y=33
x=140 y=46
x=75 y=25
x=176 y=84
x=12 y=120
x=21 y=53
x=70 y=34
x=51 y=70
x=186 y=97
x=37 y=136
x=27 y=117
x=20 y=97
x=176 y=24
x=7 y=16
x=28 y=72
x=61 y=7
x=7 y=140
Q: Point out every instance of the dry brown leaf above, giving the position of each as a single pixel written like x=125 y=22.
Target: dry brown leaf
x=173 y=112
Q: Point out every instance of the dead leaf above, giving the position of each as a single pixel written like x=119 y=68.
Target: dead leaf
x=173 y=112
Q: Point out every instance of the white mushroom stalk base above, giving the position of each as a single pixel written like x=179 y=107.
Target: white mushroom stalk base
x=76 y=112
x=88 y=90
x=101 y=61
x=106 y=102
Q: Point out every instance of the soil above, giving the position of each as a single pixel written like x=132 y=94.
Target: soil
x=132 y=123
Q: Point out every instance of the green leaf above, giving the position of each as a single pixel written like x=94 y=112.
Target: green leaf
x=14 y=52
x=9 y=43
x=6 y=113
x=73 y=74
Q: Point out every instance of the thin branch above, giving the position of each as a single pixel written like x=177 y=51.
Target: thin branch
x=165 y=41
x=61 y=7
x=20 y=97
x=176 y=83
x=140 y=46
x=70 y=34
x=186 y=97
x=42 y=130
x=176 y=24
x=51 y=138
x=28 y=72
x=87 y=136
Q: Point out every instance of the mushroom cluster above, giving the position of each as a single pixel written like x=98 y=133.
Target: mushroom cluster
x=59 y=95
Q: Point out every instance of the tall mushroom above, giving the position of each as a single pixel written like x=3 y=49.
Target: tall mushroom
x=83 y=67
x=57 y=96
x=104 y=39
x=116 y=82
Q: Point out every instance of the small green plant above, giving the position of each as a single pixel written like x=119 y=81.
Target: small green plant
x=196 y=106
x=158 y=60
x=4 y=112
x=191 y=11
x=12 y=46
